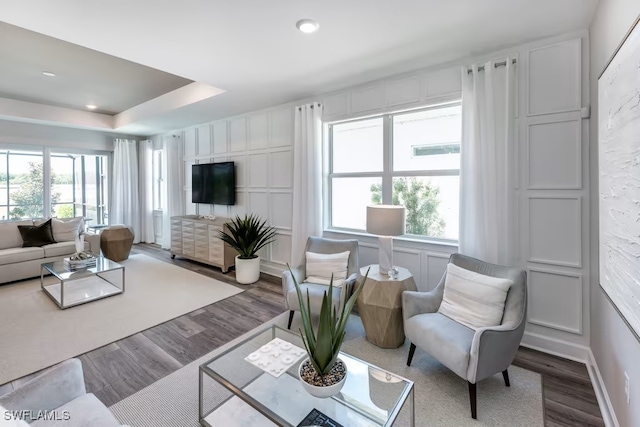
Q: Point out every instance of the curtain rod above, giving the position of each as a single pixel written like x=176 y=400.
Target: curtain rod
x=496 y=65
x=312 y=105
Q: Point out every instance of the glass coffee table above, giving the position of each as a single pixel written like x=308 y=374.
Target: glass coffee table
x=84 y=285
x=235 y=393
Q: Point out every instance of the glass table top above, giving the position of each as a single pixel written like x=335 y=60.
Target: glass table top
x=371 y=396
x=62 y=273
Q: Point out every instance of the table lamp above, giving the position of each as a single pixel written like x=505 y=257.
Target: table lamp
x=386 y=221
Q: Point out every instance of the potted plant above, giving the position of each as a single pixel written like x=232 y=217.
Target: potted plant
x=323 y=373
x=247 y=236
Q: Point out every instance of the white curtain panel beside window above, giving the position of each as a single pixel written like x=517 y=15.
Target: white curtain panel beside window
x=307 y=177
x=145 y=175
x=173 y=164
x=486 y=195
x=125 y=206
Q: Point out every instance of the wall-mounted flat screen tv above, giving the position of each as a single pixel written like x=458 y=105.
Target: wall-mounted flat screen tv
x=214 y=183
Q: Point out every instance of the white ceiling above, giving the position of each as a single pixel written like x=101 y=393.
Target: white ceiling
x=83 y=76
x=252 y=50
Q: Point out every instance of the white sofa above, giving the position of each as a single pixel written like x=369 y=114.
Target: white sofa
x=17 y=263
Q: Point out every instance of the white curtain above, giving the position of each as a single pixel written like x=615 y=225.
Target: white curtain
x=173 y=166
x=125 y=204
x=487 y=163
x=145 y=175
x=307 y=177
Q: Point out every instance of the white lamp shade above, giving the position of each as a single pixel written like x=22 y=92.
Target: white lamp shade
x=386 y=220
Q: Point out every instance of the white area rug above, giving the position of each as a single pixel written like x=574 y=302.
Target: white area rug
x=36 y=334
x=441 y=397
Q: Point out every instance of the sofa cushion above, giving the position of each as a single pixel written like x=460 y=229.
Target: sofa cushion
x=10 y=235
x=8 y=420
x=446 y=340
x=36 y=235
x=83 y=411
x=316 y=293
x=59 y=249
x=13 y=255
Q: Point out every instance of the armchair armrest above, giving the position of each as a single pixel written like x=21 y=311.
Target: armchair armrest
x=94 y=242
x=287 y=280
x=51 y=389
x=414 y=303
x=493 y=349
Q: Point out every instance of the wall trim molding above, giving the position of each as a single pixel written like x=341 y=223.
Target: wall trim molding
x=606 y=407
x=556 y=347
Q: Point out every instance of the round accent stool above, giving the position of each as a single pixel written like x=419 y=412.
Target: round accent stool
x=116 y=242
x=380 y=305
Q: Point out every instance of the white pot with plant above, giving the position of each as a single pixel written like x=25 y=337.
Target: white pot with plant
x=323 y=373
x=247 y=236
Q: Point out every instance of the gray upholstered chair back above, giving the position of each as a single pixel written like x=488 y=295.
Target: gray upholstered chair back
x=321 y=245
x=515 y=307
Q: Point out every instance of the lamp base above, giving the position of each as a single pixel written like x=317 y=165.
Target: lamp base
x=385 y=254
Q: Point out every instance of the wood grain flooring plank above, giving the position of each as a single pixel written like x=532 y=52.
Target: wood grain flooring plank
x=149 y=356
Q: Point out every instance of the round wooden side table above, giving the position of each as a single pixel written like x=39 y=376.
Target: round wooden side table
x=380 y=305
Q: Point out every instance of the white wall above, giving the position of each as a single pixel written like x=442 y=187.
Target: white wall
x=550 y=177
x=615 y=348
x=12 y=132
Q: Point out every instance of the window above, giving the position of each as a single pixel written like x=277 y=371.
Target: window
x=409 y=158
x=21 y=184
x=157 y=179
x=78 y=185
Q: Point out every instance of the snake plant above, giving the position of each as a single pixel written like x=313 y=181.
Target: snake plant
x=323 y=345
x=248 y=235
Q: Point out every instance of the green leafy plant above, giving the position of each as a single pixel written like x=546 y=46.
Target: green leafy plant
x=248 y=235
x=323 y=345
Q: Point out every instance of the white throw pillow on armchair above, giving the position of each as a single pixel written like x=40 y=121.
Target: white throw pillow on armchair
x=320 y=267
x=473 y=299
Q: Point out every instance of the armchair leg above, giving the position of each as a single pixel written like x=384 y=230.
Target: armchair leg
x=472 y=400
x=505 y=375
x=412 y=350
x=290 y=318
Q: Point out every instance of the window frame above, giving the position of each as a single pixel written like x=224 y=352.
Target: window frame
x=387 y=175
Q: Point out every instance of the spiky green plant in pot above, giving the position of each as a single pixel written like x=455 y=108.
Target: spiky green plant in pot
x=247 y=236
x=323 y=344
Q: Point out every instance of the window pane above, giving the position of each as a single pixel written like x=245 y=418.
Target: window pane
x=62 y=193
x=432 y=204
x=26 y=185
x=3 y=183
x=350 y=199
x=4 y=213
x=427 y=140
x=357 y=146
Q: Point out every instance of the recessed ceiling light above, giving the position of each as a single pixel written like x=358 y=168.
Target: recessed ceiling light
x=91 y=106
x=49 y=74
x=307 y=25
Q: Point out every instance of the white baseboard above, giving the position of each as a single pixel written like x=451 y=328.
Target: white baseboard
x=272 y=268
x=556 y=347
x=606 y=408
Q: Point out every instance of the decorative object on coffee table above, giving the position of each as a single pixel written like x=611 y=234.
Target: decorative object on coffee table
x=116 y=242
x=323 y=374
x=247 y=236
x=380 y=305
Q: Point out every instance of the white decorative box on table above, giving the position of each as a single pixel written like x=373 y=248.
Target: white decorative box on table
x=276 y=357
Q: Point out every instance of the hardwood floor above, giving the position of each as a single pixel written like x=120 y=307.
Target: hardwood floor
x=118 y=370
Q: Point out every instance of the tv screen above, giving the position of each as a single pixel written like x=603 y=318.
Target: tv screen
x=214 y=183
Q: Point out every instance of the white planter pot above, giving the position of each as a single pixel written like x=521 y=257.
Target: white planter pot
x=247 y=270
x=322 y=392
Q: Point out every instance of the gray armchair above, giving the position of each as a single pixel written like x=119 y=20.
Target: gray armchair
x=61 y=389
x=472 y=354
x=316 y=291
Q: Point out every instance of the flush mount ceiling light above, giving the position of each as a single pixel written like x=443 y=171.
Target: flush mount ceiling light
x=91 y=106
x=49 y=74
x=307 y=26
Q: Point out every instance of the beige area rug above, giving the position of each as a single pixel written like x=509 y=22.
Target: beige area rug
x=441 y=397
x=36 y=334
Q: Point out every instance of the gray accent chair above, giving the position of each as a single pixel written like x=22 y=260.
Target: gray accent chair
x=59 y=388
x=472 y=355
x=316 y=291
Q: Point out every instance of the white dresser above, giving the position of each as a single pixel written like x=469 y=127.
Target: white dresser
x=197 y=239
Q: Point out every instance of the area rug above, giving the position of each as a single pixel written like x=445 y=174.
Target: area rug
x=36 y=334
x=441 y=397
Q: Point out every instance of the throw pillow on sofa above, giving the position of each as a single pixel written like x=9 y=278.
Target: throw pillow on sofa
x=65 y=230
x=10 y=235
x=36 y=235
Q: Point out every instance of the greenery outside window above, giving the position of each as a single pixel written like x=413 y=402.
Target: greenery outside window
x=410 y=158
